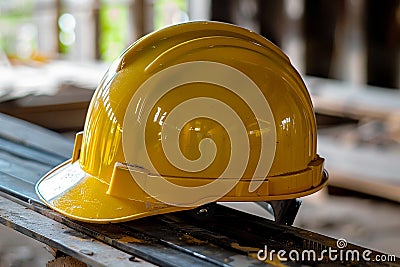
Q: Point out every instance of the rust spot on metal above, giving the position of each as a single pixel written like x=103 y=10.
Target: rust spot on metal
x=129 y=239
x=244 y=248
x=192 y=240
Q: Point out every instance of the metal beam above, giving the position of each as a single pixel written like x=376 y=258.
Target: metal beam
x=63 y=238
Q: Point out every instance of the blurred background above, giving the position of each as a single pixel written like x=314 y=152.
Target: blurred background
x=352 y=40
x=53 y=54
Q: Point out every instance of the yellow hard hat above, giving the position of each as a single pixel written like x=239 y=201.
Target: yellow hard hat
x=188 y=115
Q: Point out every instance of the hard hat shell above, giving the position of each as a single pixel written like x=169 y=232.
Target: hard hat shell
x=190 y=114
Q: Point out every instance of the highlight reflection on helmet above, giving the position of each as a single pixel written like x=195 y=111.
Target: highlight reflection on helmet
x=191 y=114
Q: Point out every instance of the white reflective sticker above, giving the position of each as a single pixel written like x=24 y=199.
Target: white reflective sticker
x=60 y=181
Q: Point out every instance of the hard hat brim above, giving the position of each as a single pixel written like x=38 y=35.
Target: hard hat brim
x=80 y=196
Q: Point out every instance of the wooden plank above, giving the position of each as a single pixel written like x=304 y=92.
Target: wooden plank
x=27 y=134
x=356 y=101
x=19 y=175
x=20 y=168
x=29 y=153
x=17 y=187
x=362 y=168
x=64 y=111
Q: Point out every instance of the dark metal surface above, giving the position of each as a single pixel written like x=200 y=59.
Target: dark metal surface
x=284 y=211
x=57 y=235
x=212 y=236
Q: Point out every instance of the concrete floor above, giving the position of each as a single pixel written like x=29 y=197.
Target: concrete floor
x=17 y=250
x=369 y=223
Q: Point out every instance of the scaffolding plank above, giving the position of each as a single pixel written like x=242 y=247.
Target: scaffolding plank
x=61 y=237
